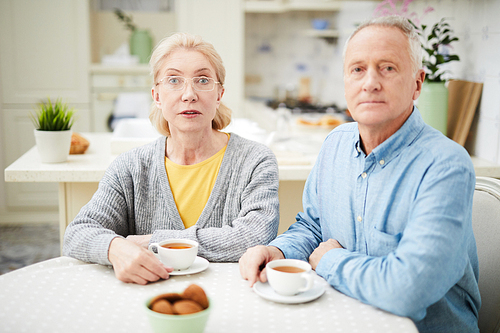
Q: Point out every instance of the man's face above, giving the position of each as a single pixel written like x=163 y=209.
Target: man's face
x=379 y=84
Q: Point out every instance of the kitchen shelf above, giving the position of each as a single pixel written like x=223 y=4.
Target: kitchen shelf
x=282 y=7
x=119 y=69
x=327 y=33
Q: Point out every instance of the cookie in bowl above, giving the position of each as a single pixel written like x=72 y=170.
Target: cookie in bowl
x=179 y=312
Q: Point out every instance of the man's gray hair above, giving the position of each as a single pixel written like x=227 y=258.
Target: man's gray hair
x=406 y=28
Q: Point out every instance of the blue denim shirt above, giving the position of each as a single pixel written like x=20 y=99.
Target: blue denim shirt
x=403 y=216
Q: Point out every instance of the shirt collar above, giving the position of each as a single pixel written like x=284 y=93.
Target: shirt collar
x=393 y=146
x=357 y=145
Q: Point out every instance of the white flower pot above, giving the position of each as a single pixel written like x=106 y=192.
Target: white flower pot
x=53 y=146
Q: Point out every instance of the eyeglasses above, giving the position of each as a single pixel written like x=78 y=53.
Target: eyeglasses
x=200 y=83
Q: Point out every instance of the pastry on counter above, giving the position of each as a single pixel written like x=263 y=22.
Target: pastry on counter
x=78 y=144
x=325 y=121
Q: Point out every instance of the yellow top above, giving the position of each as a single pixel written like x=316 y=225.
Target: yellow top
x=191 y=185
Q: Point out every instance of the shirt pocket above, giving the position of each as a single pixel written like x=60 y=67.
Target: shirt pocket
x=382 y=243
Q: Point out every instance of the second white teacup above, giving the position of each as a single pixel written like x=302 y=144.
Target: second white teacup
x=176 y=253
x=289 y=276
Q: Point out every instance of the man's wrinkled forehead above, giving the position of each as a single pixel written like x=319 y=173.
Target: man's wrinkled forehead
x=357 y=47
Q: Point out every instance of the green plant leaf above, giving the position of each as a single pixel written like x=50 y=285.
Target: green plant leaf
x=127 y=20
x=50 y=116
x=440 y=34
x=439 y=59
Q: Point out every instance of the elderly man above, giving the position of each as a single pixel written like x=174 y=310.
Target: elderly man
x=388 y=205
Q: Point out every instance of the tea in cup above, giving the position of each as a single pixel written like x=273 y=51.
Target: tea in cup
x=176 y=253
x=289 y=276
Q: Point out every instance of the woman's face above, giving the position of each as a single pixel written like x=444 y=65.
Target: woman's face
x=187 y=110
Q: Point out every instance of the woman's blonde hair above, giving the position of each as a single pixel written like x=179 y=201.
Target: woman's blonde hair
x=192 y=43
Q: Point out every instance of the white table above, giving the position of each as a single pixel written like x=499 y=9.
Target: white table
x=67 y=295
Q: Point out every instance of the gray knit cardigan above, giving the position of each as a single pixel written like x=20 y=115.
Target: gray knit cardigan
x=134 y=198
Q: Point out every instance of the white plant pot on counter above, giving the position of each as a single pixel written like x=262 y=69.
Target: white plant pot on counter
x=53 y=146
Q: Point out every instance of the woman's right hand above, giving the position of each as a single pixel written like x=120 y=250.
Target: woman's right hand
x=134 y=264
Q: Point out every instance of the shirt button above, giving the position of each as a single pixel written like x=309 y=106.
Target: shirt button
x=363 y=175
x=360 y=218
x=382 y=162
x=359 y=150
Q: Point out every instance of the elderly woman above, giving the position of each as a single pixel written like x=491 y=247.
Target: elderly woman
x=195 y=182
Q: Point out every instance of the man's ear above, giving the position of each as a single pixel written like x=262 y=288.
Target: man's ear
x=419 y=80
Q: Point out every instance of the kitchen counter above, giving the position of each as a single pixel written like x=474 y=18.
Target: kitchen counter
x=78 y=178
x=90 y=167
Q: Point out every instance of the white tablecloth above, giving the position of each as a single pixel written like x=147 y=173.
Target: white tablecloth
x=67 y=295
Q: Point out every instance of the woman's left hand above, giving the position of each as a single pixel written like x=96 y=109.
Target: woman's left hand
x=141 y=240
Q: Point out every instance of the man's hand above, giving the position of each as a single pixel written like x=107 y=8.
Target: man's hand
x=134 y=264
x=323 y=248
x=253 y=262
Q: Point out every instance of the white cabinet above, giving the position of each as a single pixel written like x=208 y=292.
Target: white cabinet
x=281 y=6
x=44 y=52
x=107 y=82
x=23 y=195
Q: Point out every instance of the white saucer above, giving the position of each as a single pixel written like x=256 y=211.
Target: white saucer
x=199 y=265
x=264 y=290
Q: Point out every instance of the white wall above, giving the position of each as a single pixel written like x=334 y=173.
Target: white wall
x=2 y=182
x=477 y=25
x=277 y=54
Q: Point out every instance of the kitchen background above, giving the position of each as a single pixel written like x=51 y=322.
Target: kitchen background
x=55 y=48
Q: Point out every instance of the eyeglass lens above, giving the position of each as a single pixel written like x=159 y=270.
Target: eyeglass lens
x=179 y=82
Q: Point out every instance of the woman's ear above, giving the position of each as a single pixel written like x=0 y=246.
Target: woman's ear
x=219 y=95
x=156 y=97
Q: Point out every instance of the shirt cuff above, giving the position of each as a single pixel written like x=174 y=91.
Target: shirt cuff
x=328 y=264
x=103 y=243
x=288 y=250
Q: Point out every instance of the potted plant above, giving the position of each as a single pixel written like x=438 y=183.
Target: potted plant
x=141 y=42
x=53 y=122
x=433 y=100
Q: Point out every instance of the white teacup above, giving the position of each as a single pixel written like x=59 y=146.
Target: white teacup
x=289 y=276
x=176 y=253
